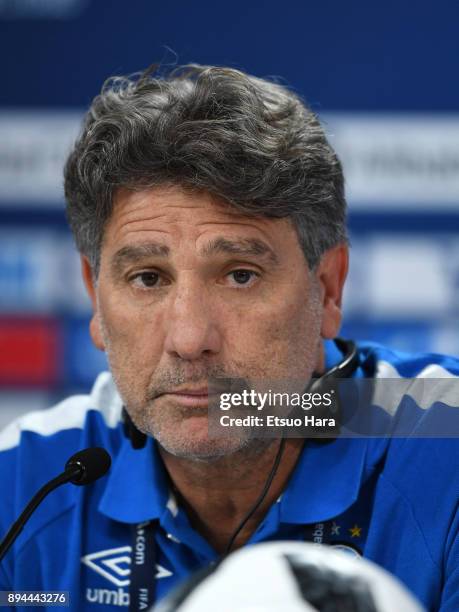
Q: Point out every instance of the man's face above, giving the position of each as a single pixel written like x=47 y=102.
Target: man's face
x=190 y=289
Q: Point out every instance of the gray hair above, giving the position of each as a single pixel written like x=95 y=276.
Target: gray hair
x=252 y=142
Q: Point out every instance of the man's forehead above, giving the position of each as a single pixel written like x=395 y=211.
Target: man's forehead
x=172 y=209
x=162 y=199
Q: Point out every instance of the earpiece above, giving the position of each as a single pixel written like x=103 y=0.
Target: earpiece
x=327 y=383
x=137 y=437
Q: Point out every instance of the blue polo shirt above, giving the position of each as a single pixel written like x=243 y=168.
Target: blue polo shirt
x=393 y=500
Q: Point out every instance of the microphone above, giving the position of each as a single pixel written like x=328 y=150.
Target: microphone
x=82 y=468
x=88 y=465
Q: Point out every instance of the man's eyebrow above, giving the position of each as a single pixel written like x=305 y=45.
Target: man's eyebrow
x=246 y=246
x=133 y=254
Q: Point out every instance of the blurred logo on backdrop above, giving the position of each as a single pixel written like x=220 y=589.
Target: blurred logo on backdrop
x=398 y=161
x=33 y=149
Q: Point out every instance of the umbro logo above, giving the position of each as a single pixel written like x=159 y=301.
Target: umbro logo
x=114 y=565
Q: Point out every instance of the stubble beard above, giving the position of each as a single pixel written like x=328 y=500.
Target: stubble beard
x=165 y=425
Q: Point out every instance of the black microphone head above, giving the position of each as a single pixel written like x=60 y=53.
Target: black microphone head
x=93 y=463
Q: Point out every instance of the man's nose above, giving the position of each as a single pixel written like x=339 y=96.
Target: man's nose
x=192 y=328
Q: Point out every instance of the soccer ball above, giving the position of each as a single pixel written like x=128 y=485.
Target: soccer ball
x=291 y=577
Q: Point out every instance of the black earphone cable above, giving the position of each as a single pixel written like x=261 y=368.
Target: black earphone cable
x=259 y=501
x=345 y=368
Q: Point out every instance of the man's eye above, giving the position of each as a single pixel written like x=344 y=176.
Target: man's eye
x=146 y=279
x=243 y=277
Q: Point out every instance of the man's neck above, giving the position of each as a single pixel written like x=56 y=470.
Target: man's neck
x=219 y=494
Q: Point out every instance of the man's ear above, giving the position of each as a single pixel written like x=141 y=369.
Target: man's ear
x=89 y=282
x=331 y=274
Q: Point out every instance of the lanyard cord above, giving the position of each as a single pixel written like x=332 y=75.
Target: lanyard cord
x=143 y=566
x=259 y=501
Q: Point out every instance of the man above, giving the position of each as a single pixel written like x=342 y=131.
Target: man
x=209 y=211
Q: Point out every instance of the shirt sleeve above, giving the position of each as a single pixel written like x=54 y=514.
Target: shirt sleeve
x=7 y=479
x=450 y=593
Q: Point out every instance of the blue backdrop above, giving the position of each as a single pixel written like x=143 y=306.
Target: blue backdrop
x=383 y=77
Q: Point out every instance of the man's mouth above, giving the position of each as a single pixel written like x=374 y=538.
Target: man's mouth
x=193 y=398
